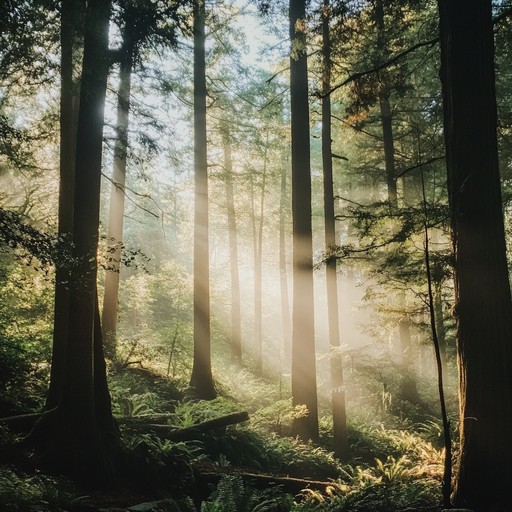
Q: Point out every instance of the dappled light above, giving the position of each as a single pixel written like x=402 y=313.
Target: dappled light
x=254 y=256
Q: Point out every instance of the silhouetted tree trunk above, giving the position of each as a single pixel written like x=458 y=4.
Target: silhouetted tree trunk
x=201 y=379
x=77 y=436
x=102 y=399
x=482 y=292
x=236 y=323
x=304 y=390
x=71 y=41
x=338 y=391
x=116 y=214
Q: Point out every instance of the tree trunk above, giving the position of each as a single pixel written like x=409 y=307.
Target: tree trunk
x=385 y=111
x=71 y=437
x=337 y=387
x=304 y=392
x=236 y=322
x=258 y=263
x=71 y=18
x=116 y=215
x=482 y=292
x=201 y=379
x=102 y=399
x=408 y=384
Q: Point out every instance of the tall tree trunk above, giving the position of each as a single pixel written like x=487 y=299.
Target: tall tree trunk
x=304 y=392
x=408 y=384
x=72 y=437
x=71 y=40
x=283 y=274
x=201 y=379
x=102 y=399
x=236 y=322
x=116 y=214
x=254 y=231
x=385 y=110
x=337 y=387
x=258 y=264
x=482 y=292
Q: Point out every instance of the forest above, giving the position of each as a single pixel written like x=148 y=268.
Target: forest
x=255 y=255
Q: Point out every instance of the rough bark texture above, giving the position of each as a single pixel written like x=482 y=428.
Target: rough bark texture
x=201 y=380
x=304 y=390
x=71 y=437
x=71 y=11
x=116 y=214
x=338 y=391
x=483 y=302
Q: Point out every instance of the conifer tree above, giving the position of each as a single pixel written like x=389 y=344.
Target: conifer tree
x=304 y=392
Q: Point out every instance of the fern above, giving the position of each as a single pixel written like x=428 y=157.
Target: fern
x=232 y=495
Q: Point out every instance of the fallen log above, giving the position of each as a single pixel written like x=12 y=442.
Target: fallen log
x=192 y=432
x=144 y=419
x=206 y=476
x=23 y=424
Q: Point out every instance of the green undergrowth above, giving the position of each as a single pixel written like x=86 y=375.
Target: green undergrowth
x=21 y=492
x=388 y=468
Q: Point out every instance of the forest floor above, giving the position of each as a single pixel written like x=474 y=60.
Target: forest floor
x=247 y=466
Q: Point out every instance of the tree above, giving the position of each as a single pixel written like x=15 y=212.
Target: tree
x=338 y=392
x=117 y=192
x=201 y=379
x=236 y=325
x=77 y=436
x=482 y=292
x=385 y=109
x=408 y=384
x=71 y=43
x=258 y=263
x=304 y=392
x=140 y=23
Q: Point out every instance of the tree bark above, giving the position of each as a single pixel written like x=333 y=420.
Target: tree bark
x=71 y=40
x=482 y=292
x=71 y=437
x=201 y=379
x=116 y=214
x=304 y=391
x=339 y=415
